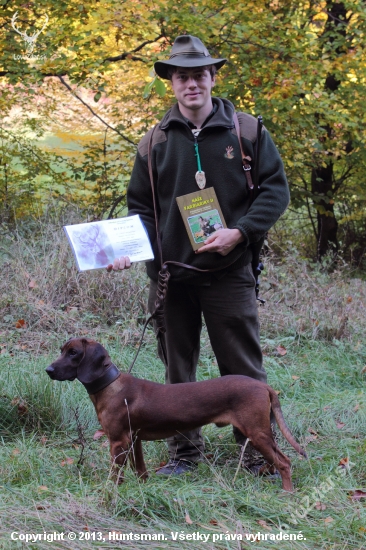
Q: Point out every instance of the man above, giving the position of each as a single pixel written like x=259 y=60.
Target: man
x=197 y=136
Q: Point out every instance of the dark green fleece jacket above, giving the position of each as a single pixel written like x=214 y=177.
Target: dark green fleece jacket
x=175 y=165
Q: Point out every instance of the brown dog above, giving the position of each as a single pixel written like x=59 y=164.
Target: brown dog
x=130 y=410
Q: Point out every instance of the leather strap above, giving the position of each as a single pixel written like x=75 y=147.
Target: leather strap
x=244 y=158
x=110 y=375
x=151 y=175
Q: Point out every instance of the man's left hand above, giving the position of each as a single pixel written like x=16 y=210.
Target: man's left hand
x=222 y=241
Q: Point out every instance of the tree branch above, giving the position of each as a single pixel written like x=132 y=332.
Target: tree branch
x=94 y=113
x=129 y=55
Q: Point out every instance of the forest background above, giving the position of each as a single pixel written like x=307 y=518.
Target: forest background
x=75 y=103
x=77 y=92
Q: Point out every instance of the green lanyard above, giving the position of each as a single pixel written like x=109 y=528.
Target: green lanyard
x=198 y=156
x=200 y=175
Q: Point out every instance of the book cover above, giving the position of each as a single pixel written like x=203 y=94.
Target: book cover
x=201 y=215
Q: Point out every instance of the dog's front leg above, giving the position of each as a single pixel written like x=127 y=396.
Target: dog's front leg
x=119 y=452
x=137 y=459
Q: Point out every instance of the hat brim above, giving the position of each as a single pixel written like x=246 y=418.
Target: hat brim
x=162 y=67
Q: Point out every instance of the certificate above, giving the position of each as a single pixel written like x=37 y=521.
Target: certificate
x=97 y=244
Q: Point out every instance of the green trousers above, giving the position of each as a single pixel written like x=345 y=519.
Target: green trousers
x=230 y=311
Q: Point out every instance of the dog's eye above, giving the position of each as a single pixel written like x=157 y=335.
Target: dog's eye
x=72 y=352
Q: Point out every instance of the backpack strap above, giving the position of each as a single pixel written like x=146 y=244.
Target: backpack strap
x=245 y=158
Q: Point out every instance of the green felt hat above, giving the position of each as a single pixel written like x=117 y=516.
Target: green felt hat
x=187 y=51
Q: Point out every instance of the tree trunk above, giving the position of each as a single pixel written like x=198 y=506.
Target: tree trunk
x=322 y=176
x=321 y=183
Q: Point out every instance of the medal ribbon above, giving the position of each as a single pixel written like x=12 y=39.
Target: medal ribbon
x=200 y=175
x=198 y=156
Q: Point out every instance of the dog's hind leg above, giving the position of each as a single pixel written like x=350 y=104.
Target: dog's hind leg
x=265 y=444
x=137 y=459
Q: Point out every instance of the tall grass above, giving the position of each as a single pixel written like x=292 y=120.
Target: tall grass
x=55 y=476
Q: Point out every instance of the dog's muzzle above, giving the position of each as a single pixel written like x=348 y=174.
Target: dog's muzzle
x=51 y=373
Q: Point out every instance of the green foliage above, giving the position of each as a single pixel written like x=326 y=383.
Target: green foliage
x=302 y=66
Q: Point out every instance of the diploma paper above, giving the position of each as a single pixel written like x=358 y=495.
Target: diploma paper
x=97 y=244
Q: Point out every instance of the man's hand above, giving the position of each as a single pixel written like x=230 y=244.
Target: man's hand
x=123 y=262
x=222 y=241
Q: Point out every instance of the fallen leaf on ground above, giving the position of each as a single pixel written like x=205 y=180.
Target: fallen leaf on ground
x=32 y=284
x=295 y=377
x=357 y=494
x=43 y=488
x=213 y=521
x=67 y=461
x=356 y=408
x=363 y=370
x=329 y=519
x=22 y=408
x=320 y=506
x=98 y=434
x=281 y=350
x=340 y=425
x=188 y=519
x=20 y=323
x=312 y=431
x=344 y=463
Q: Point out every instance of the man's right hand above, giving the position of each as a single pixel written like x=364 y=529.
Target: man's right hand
x=123 y=262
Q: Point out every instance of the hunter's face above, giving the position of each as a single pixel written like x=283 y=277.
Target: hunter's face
x=192 y=88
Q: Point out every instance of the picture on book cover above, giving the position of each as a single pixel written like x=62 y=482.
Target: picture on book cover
x=92 y=245
x=202 y=226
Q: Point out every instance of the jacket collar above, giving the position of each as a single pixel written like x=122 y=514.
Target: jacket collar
x=222 y=117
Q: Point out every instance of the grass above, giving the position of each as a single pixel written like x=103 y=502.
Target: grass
x=55 y=476
x=321 y=390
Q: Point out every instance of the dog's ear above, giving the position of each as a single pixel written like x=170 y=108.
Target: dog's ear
x=96 y=353
x=93 y=363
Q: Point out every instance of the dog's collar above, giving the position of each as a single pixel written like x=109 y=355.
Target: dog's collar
x=110 y=375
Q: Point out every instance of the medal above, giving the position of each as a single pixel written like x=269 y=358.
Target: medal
x=200 y=175
x=200 y=179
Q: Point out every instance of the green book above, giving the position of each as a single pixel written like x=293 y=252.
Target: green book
x=201 y=215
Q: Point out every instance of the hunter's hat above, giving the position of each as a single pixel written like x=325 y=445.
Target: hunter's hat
x=187 y=51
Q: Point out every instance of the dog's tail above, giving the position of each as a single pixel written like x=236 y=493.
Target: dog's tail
x=277 y=411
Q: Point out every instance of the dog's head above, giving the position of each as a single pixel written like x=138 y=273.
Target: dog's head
x=80 y=358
